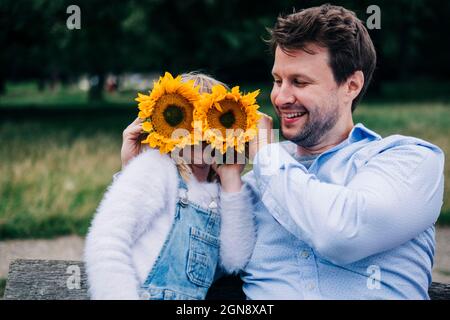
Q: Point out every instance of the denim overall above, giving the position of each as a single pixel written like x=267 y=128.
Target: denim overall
x=186 y=265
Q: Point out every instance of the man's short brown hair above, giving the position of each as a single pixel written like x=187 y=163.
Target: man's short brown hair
x=335 y=28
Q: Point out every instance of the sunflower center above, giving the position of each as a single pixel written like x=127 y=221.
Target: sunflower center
x=227 y=119
x=173 y=115
x=232 y=116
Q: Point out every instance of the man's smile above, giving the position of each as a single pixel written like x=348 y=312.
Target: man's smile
x=291 y=116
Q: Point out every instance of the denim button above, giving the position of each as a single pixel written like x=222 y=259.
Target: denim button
x=182 y=193
x=184 y=202
x=213 y=205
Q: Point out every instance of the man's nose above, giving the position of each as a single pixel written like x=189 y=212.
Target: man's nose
x=284 y=96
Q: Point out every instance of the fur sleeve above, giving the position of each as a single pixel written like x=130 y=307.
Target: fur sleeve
x=238 y=230
x=127 y=207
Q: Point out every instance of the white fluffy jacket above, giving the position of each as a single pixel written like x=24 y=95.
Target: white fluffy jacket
x=135 y=216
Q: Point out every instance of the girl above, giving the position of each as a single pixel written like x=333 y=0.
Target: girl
x=163 y=228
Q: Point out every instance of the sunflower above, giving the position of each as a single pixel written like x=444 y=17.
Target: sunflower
x=169 y=107
x=228 y=119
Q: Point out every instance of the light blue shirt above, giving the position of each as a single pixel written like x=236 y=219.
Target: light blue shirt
x=358 y=224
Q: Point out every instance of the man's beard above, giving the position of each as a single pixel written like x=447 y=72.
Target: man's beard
x=315 y=128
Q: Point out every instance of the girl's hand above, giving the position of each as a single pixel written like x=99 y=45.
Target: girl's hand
x=131 y=143
x=230 y=176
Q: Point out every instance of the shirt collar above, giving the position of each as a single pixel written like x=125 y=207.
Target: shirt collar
x=360 y=132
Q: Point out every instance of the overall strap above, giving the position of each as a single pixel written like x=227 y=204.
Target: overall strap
x=182 y=192
x=181 y=183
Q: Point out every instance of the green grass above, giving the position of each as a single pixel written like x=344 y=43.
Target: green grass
x=54 y=171
x=57 y=160
x=26 y=95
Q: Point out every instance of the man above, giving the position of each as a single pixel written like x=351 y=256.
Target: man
x=341 y=212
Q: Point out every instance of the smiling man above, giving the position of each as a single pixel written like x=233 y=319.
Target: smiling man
x=341 y=212
x=307 y=97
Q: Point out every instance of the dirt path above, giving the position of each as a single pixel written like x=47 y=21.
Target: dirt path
x=61 y=248
x=71 y=248
x=441 y=270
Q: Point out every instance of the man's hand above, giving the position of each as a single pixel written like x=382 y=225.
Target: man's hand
x=265 y=135
x=131 y=144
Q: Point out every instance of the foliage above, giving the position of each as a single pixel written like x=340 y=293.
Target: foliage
x=220 y=37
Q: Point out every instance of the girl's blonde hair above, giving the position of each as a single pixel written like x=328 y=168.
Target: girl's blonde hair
x=205 y=82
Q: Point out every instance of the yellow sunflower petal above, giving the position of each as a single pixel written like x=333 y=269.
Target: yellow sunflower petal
x=147 y=126
x=250 y=98
x=214 y=112
x=235 y=94
x=218 y=107
x=144 y=114
x=218 y=92
x=169 y=106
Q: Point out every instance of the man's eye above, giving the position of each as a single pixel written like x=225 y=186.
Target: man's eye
x=277 y=82
x=300 y=83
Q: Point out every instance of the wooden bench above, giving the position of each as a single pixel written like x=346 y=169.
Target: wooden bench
x=66 y=280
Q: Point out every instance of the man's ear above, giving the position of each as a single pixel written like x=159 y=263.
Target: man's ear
x=354 y=84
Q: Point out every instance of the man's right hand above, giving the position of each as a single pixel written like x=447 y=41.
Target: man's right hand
x=265 y=135
x=131 y=144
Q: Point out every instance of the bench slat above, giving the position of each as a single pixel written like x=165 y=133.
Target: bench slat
x=66 y=280
x=46 y=280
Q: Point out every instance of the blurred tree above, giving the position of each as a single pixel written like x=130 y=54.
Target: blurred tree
x=99 y=46
x=220 y=37
x=27 y=44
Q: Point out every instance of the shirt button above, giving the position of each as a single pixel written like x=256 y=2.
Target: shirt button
x=305 y=254
x=145 y=296
x=311 y=286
